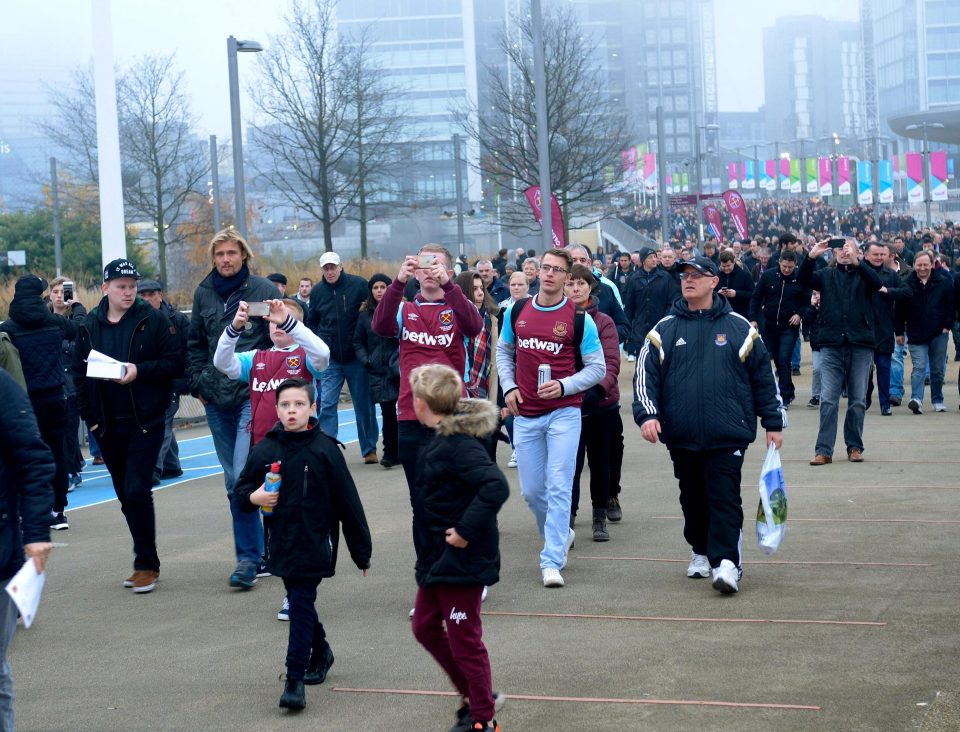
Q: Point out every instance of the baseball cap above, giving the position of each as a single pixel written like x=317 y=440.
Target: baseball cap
x=329 y=258
x=703 y=265
x=120 y=268
x=149 y=286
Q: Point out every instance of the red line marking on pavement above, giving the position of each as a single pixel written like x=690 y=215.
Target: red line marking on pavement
x=874 y=460
x=763 y=561
x=871 y=487
x=813 y=519
x=596 y=700
x=668 y=619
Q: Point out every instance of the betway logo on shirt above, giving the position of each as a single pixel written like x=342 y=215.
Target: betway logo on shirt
x=262 y=386
x=535 y=344
x=428 y=339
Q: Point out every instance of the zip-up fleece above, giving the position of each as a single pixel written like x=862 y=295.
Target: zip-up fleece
x=154 y=348
x=317 y=495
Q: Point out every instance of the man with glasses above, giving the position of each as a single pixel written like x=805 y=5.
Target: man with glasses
x=544 y=371
x=707 y=423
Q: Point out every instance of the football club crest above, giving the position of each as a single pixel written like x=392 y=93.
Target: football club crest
x=720 y=339
x=293 y=363
x=446 y=319
x=559 y=329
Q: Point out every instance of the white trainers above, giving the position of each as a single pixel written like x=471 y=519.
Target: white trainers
x=571 y=537
x=412 y=611
x=699 y=565
x=512 y=462
x=552 y=578
x=725 y=577
x=283 y=613
x=939 y=407
x=483 y=595
x=631 y=357
x=916 y=406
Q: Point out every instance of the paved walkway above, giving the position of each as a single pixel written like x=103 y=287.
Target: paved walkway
x=853 y=625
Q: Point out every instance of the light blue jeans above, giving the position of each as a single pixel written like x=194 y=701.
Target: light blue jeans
x=815 y=381
x=930 y=355
x=896 y=370
x=546 y=459
x=8 y=626
x=230 y=430
x=850 y=364
x=331 y=383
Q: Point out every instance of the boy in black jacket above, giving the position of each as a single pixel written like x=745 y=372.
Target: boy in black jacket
x=462 y=491
x=316 y=495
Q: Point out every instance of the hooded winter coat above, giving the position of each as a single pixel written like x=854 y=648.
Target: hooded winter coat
x=463 y=489
x=380 y=357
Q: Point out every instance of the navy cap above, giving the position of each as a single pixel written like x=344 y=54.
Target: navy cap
x=703 y=265
x=278 y=278
x=120 y=268
x=149 y=286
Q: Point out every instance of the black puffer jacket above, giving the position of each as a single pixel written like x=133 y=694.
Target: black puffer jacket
x=155 y=350
x=846 y=302
x=380 y=357
x=928 y=309
x=776 y=299
x=706 y=377
x=462 y=488
x=26 y=472
x=740 y=281
x=39 y=335
x=648 y=298
x=334 y=310
x=210 y=317
x=317 y=495
x=884 y=308
x=181 y=322
x=78 y=314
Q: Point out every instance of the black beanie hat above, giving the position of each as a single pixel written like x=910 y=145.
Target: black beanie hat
x=30 y=284
x=378 y=277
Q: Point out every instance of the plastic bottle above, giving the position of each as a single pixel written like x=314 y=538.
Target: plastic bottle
x=271 y=484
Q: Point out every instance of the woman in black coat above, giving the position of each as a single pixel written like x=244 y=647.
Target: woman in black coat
x=381 y=358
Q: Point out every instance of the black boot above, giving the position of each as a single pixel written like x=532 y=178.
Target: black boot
x=320 y=662
x=293 y=697
x=600 y=532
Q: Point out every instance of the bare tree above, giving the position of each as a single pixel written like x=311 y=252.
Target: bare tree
x=587 y=130
x=330 y=120
x=164 y=162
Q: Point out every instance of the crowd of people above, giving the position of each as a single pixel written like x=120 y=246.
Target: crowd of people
x=457 y=358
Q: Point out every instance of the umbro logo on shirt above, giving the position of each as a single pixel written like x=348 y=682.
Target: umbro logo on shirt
x=412 y=316
x=680 y=342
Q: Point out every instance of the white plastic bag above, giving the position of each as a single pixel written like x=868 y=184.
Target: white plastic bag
x=772 y=511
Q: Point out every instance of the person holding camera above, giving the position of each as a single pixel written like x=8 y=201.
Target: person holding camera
x=63 y=303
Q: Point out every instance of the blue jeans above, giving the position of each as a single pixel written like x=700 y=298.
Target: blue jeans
x=169 y=459
x=815 y=380
x=8 y=626
x=896 y=371
x=546 y=450
x=795 y=358
x=883 y=361
x=930 y=355
x=230 y=430
x=852 y=365
x=331 y=383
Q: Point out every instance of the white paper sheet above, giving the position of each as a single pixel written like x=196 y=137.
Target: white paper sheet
x=25 y=588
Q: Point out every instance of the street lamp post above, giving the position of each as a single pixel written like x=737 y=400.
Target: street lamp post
x=926 y=161
x=700 y=178
x=215 y=182
x=543 y=124
x=459 y=191
x=240 y=204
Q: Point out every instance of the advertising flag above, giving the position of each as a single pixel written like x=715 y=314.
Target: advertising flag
x=826 y=177
x=914 y=177
x=765 y=175
x=650 y=173
x=556 y=217
x=732 y=180
x=749 y=176
x=885 y=180
x=784 y=164
x=864 y=182
x=714 y=222
x=812 y=184
x=685 y=183
x=938 y=176
x=843 y=175
x=738 y=212
x=795 y=176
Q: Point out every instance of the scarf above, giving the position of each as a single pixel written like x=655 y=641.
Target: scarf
x=226 y=286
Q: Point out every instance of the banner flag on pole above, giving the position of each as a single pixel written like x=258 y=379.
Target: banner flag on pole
x=812 y=184
x=714 y=221
x=885 y=180
x=738 y=212
x=685 y=183
x=938 y=176
x=864 y=182
x=795 y=175
x=749 y=176
x=843 y=175
x=914 y=177
x=784 y=164
x=732 y=179
x=765 y=180
x=559 y=233
x=826 y=177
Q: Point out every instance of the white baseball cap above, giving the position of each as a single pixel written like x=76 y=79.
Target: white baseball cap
x=329 y=258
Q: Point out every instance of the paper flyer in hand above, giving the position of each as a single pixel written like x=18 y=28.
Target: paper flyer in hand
x=102 y=366
x=25 y=588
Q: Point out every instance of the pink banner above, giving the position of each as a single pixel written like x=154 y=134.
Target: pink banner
x=711 y=215
x=938 y=176
x=556 y=218
x=629 y=160
x=733 y=180
x=650 y=174
x=738 y=212
x=785 y=174
x=826 y=177
x=843 y=175
x=770 y=168
x=914 y=177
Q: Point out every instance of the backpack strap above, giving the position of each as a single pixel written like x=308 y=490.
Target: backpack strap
x=579 y=318
x=515 y=315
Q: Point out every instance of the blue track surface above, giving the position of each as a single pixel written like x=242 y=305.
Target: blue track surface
x=197 y=458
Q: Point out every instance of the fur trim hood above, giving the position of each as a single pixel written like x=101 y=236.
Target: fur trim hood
x=474 y=417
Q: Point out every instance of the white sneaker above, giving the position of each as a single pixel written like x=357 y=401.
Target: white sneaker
x=725 y=577
x=939 y=407
x=916 y=406
x=483 y=595
x=699 y=565
x=571 y=537
x=412 y=610
x=631 y=357
x=512 y=462
x=552 y=578
x=284 y=612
